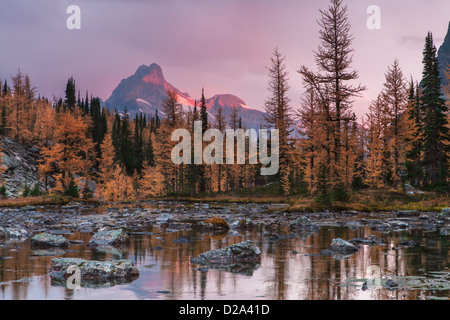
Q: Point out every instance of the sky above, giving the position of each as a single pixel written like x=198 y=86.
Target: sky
x=222 y=45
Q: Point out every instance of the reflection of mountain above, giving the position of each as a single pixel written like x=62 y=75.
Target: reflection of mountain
x=146 y=89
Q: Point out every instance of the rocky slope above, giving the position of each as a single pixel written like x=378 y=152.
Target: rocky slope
x=21 y=164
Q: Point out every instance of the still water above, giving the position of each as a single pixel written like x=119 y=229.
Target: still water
x=290 y=269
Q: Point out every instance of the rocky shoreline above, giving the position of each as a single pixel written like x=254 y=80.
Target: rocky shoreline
x=112 y=226
x=26 y=221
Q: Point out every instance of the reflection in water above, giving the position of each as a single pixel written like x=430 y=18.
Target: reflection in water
x=290 y=269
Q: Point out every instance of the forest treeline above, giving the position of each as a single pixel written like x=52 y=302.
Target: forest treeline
x=89 y=151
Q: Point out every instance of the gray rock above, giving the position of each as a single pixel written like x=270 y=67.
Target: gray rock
x=353 y=225
x=407 y=213
x=445 y=213
x=391 y=285
x=303 y=223
x=343 y=247
x=99 y=270
x=110 y=237
x=164 y=218
x=244 y=252
x=4 y=233
x=49 y=240
x=242 y=224
x=399 y=224
x=365 y=287
x=377 y=225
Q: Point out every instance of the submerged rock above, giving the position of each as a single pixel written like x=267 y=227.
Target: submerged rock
x=343 y=247
x=406 y=244
x=186 y=239
x=110 y=237
x=244 y=252
x=48 y=252
x=49 y=240
x=94 y=270
x=117 y=251
x=370 y=240
x=277 y=237
x=215 y=223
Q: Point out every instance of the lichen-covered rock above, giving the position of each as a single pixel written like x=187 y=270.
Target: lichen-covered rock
x=94 y=270
x=303 y=223
x=344 y=247
x=46 y=240
x=110 y=237
x=244 y=252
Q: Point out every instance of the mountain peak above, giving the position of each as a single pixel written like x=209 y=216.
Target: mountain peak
x=146 y=90
x=150 y=74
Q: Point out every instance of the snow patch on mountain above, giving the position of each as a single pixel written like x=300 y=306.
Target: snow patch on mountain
x=143 y=101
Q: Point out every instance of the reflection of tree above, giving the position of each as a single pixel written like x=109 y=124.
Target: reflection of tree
x=282 y=275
